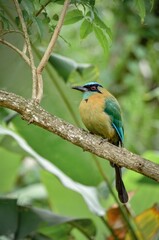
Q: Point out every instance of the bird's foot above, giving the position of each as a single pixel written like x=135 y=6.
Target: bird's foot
x=103 y=140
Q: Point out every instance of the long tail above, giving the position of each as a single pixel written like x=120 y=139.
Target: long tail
x=122 y=193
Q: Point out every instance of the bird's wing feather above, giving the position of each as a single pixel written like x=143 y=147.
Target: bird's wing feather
x=112 y=108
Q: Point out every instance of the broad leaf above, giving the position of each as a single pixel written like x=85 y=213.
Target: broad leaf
x=86 y=28
x=24 y=221
x=9 y=162
x=73 y=17
x=29 y=7
x=101 y=38
x=67 y=66
x=89 y=194
x=147 y=222
x=8 y=216
x=98 y=21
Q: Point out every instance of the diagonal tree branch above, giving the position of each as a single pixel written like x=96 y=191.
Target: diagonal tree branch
x=30 y=53
x=54 y=37
x=37 y=89
x=91 y=143
x=22 y=54
x=49 y=50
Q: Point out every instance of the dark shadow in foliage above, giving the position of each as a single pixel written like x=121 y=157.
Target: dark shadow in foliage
x=40 y=224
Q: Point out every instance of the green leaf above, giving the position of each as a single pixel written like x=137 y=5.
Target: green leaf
x=17 y=21
x=67 y=65
x=31 y=192
x=98 y=21
x=86 y=28
x=9 y=163
x=23 y=221
x=25 y=16
x=89 y=194
x=55 y=17
x=140 y=4
x=39 y=24
x=89 y=74
x=90 y=3
x=73 y=17
x=8 y=216
x=29 y=7
x=101 y=38
x=4 y=21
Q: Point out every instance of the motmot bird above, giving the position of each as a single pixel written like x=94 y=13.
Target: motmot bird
x=101 y=114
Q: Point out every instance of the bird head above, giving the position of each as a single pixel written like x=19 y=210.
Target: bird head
x=89 y=88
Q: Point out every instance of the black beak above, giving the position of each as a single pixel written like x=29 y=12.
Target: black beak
x=80 y=88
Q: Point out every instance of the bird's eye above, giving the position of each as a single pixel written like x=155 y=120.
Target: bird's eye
x=93 y=88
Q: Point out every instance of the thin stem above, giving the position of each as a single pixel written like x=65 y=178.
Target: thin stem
x=42 y=8
x=11 y=31
x=27 y=40
x=129 y=220
x=106 y=180
x=38 y=12
x=109 y=227
x=22 y=54
x=85 y=233
x=50 y=47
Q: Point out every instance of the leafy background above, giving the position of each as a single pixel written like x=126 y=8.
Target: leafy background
x=116 y=43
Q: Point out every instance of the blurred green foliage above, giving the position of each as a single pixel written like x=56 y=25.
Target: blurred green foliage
x=124 y=59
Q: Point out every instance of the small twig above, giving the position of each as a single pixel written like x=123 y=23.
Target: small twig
x=49 y=49
x=82 y=230
x=37 y=89
x=11 y=31
x=38 y=12
x=27 y=40
x=42 y=8
x=22 y=54
x=128 y=220
x=106 y=223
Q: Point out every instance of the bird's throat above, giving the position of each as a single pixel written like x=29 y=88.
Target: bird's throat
x=86 y=95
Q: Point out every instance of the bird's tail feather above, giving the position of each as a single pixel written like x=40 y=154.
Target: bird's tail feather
x=122 y=193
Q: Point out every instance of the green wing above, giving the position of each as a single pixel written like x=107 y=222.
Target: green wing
x=112 y=108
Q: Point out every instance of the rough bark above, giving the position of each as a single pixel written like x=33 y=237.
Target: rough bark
x=35 y=114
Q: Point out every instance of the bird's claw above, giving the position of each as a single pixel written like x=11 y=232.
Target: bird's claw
x=103 y=140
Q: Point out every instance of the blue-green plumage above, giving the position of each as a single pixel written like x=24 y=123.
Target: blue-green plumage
x=101 y=114
x=113 y=110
